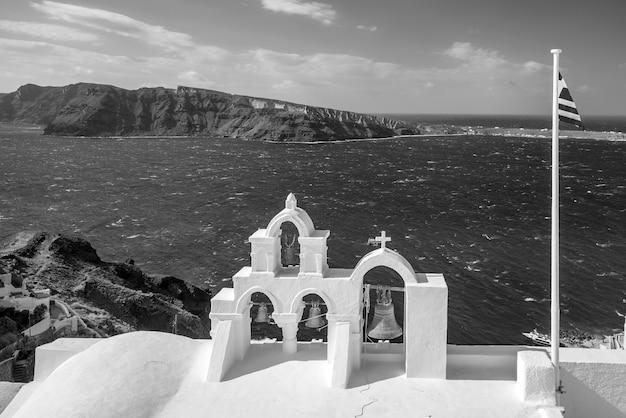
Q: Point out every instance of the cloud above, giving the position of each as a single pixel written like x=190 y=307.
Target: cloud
x=115 y=23
x=61 y=63
x=368 y=28
x=476 y=58
x=584 y=89
x=475 y=65
x=206 y=52
x=319 y=68
x=488 y=66
x=315 y=10
x=47 y=31
x=531 y=67
x=196 y=78
x=78 y=70
x=43 y=53
x=326 y=79
x=285 y=85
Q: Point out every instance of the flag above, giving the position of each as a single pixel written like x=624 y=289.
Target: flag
x=567 y=107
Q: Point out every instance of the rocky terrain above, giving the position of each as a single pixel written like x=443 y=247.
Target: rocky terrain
x=102 y=110
x=110 y=298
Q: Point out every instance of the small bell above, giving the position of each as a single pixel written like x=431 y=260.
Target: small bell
x=261 y=315
x=290 y=256
x=384 y=325
x=315 y=316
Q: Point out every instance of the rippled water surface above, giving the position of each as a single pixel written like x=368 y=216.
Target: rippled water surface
x=474 y=208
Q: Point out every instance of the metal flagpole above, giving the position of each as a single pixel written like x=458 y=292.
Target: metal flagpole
x=554 y=265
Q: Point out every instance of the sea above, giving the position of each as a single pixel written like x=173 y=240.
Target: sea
x=475 y=208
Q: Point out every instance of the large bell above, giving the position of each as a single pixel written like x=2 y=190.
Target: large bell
x=315 y=316
x=384 y=325
x=261 y=315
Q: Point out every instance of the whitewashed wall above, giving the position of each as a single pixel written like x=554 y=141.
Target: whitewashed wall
x=594 y=382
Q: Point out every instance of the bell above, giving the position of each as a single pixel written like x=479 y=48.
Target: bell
x=290 y=256
x=315 y=316
x=384 y=325
x=261 y=315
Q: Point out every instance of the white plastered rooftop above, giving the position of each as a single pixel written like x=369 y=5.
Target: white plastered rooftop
x=152 y=374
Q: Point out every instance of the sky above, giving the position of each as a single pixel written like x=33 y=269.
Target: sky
x=372 y=56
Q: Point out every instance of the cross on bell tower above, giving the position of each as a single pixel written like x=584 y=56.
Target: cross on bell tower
x=382 y=239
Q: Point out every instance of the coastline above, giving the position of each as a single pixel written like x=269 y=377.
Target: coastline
x=385 y=138
x=547 y=133
x=473 y=131
x=463 y=131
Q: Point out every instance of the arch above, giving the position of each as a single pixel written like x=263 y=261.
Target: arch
x=384 y=276
x=313 y=325
x=243 y=300
x=289 y=245
x=295 y=305
x=386 y=258
x=296 y=216
x=263 y=326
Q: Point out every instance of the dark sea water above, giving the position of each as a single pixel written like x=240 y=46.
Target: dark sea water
x=473 y=208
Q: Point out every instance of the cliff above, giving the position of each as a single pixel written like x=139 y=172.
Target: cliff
x=102 y=110
x=111 y=298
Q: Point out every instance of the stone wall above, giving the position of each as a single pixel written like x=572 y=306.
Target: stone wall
x=6 y=370
x=7 y=351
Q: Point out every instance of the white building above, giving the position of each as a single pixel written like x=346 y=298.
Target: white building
x=14 y=294
x=11 y=286
x=342 y=290
x=151 y=374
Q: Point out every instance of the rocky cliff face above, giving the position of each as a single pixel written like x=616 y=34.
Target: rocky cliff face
x=111 y=298
x=101 y=110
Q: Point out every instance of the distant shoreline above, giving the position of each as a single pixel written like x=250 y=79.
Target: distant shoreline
x=547 y=133
x=472 y=131
x=465 y=131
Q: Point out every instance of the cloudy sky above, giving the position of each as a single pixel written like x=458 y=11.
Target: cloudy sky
x=410 y=56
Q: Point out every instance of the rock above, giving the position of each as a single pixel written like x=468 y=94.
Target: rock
x=133 y=276
x=34 y=104
x=32 y=245
x=144 y=311
x=109 y=297
x=101 y=110
x=72 y=248
x=194 y=299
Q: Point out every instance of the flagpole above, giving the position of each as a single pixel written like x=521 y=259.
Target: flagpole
x=554 y=265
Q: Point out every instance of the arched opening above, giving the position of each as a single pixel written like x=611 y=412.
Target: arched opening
x=313 y=325
x=289 y=245
x=384 y=317
x=262 y=326
x=384 y=356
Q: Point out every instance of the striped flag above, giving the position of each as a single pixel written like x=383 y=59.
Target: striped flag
x=567 y=107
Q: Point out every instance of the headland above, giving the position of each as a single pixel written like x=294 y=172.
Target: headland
x=93 y=110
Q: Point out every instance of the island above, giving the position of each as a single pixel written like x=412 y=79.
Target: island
x=93 y=110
